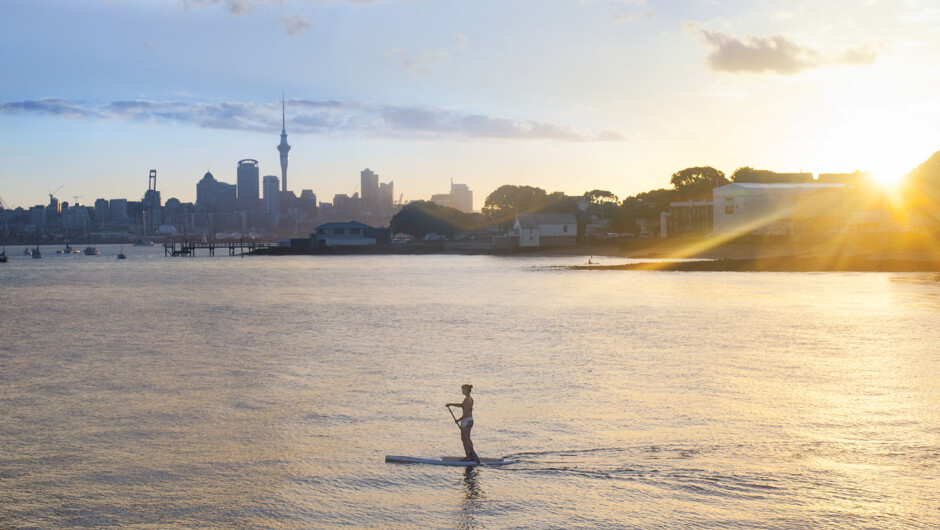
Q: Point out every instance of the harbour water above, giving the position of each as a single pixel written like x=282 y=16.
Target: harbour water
x=264 y=392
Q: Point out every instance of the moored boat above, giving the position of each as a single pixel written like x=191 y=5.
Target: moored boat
x=92 y=251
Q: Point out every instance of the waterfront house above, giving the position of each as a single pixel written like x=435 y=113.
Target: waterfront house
x=539 y=230
x=349 y=234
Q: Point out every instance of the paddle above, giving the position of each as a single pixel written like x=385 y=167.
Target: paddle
x=452 y=416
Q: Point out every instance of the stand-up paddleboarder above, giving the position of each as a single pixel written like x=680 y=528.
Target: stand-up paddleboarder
x=466 y=423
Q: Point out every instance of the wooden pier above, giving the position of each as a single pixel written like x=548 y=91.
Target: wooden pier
x=235 y=248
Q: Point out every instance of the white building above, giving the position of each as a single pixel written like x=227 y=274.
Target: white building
x=744 y=208
x=546 y=229
x=460 y=198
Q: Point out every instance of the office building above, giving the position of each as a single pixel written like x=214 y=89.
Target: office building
x=270 y=188
x=102 y=211
x=206 y=191
x=461 y=198
x=271 y=201
x=248 y=198
x=369 y=186
x=118 y=208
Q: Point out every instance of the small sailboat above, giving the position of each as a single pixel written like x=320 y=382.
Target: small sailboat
x=3 y=256
x=36 y=253
x=122 y=254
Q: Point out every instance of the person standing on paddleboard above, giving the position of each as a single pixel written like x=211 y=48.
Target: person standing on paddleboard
x=466 y=423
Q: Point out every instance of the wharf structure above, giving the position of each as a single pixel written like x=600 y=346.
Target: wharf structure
x=235 y=248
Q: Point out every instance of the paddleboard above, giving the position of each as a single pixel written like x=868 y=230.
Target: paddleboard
x=455 y=461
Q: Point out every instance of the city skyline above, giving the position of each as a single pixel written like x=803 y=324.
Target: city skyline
x=570 y=96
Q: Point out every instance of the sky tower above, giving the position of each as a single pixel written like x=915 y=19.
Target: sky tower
x=283 y=147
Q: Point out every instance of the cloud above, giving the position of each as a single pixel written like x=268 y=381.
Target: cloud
x=295 y=25
x=319 y=117
x=863 y=55
x=58 y=107
x=626 y=18
x=635 y=2
x=776 y=54
x=241 y=7
x=236 y=7
x=422 y=64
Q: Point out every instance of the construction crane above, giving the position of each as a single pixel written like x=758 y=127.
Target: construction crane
x=4 y=204
x=52 y=193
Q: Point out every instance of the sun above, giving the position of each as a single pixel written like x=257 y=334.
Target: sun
x=888 y=171
x=887 y=179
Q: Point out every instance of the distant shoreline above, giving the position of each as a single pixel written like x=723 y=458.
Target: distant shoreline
x=899 y=253
x=791 y=264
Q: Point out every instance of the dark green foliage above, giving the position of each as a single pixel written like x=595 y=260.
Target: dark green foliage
x=696 y=183
x=502 y=206
x=421 y=218
x=646 y=206
x=747 y=174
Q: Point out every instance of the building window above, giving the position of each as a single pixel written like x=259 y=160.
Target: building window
x=729 y=209
x=564 y=228
x=355 y=231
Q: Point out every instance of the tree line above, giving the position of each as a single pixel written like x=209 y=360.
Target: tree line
x=626 y=216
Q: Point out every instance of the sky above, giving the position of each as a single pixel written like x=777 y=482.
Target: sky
x=565 y=95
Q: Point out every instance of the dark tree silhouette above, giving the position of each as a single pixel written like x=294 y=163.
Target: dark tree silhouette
x=602 y=204
x=421 y=218
x=697 y=182
x=502 y=206
x=644 y=206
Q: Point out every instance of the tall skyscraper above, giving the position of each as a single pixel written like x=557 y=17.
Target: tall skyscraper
x=248 y=185
x=369 y=185
x=283 y=147
x=271 y=194
x=205 y=191
x=271 y=201
x=461 y=197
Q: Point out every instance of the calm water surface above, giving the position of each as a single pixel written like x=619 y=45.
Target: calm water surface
x=265 y=392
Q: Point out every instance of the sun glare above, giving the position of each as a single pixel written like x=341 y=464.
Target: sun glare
x=888 y=179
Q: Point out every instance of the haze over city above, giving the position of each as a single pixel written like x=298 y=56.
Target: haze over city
x=567 y=96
